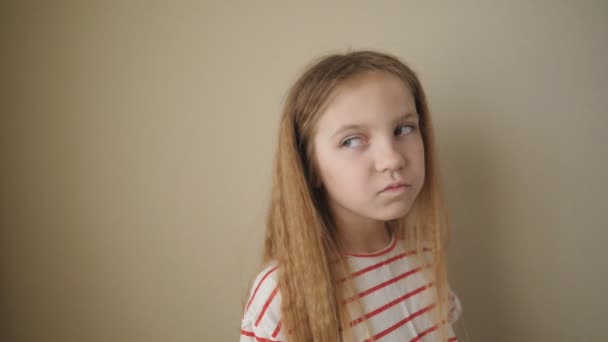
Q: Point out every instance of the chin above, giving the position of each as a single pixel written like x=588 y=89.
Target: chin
x=393 y=212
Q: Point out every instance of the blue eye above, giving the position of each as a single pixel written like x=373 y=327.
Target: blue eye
x=352 y=142
x=399 y=131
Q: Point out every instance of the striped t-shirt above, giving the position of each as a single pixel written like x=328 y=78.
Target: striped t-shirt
x=396 y=297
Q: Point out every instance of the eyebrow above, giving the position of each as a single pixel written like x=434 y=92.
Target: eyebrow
x=358 y=126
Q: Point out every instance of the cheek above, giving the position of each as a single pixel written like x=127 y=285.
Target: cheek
x=419 y=162
x=414 y=154
x=340 y=175
x=420 y=156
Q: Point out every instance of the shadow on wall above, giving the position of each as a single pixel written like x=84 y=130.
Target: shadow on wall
x=469 y=168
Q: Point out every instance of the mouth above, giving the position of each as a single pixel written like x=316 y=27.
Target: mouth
x=396 y=187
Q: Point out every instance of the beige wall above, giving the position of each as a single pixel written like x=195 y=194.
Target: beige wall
x=137 y=145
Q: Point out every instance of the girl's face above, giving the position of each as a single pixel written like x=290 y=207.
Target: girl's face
x=366 y=141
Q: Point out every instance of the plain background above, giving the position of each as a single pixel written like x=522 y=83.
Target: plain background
x=138 y=139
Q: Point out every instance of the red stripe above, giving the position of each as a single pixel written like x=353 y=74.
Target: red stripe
x=261 y=339
x=257 y=338
x=276 y=330
x=430 y=330
x=424 y=333
x=266 y=305
x=388 y=305
x=402 y=322
x=259 y=284
x=382 y=252
x=380 y=264
x=385 y=262
x=381 y=285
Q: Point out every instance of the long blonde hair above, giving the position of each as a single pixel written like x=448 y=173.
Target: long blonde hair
x=300 y=234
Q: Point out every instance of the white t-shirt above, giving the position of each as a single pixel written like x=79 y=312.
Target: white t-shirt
x=396 y=298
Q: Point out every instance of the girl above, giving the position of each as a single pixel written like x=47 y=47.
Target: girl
x=355 y=233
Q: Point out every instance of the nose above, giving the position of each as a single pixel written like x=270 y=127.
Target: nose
x=388 y=157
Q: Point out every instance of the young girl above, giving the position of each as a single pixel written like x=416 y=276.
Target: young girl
x=355 y=233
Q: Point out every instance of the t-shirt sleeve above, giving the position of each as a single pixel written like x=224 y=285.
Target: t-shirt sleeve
x=252 y=333
x=261 y=318
x=454 y=305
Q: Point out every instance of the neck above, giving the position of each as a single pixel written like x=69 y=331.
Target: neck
x=361 y=235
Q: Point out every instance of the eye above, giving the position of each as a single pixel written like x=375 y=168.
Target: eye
x=405 y=129
x=352 y=142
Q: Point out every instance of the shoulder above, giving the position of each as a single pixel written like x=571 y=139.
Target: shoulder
x=264 y=288
x=261 y=317
x=453 y=301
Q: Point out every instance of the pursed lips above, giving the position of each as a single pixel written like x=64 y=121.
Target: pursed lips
x=395 y=186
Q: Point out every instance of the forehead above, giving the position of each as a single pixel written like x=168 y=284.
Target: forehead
x=370 y=98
